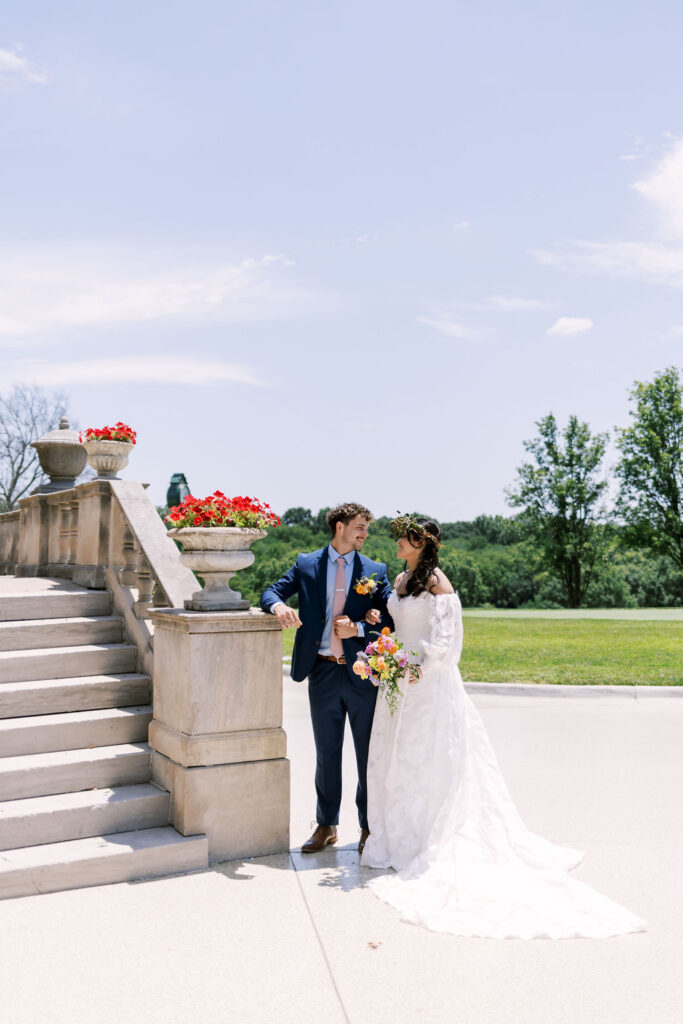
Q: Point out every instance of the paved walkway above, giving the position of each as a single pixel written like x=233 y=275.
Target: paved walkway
x=291 y=938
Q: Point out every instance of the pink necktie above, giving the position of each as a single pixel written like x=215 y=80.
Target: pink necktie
x=338 y=606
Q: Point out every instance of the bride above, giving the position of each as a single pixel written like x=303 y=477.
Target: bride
x=439 y=811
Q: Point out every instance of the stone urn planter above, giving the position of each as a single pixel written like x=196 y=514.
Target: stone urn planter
x=216 y=553
x=61 y=457
x=108 y=457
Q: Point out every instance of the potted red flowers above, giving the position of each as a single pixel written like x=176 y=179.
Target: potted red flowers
x=108 y=448
x=216 y=534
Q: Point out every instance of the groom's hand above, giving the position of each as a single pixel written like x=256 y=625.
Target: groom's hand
x=344 y=627
x=286 y=616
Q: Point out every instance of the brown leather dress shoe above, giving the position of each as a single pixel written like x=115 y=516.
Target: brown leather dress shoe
x=364 y=833
x=322 y=837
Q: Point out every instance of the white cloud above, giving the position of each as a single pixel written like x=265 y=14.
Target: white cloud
x=462 y=225
x=47 y=293
x=664 y=189
x=131 y=370
x=639 y=150
x=655 y=260
x=512 y=304
x=650 y=261
x=569 y=325
x=16 y=68
x=445 y=324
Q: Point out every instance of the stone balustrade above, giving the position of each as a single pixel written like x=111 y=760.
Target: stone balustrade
x=80 y=533
x=103 y=534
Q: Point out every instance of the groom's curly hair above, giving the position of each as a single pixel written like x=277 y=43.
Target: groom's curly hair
x=345 y=513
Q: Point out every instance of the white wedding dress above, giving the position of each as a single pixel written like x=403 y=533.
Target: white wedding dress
x=440 y=813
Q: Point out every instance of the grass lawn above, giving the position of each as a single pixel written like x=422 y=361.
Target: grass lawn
x=585 y=648
x=572 y=650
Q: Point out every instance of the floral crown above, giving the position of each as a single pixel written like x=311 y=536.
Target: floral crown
x=404 y=523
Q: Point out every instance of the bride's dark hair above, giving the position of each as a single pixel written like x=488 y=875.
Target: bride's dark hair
x=428 y=531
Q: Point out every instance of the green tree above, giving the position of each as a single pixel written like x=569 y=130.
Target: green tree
x=560 y=494
x=465 y=577
x=298 y=517
x=650 y=471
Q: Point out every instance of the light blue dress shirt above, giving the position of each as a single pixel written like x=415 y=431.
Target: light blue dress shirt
x=332 y=557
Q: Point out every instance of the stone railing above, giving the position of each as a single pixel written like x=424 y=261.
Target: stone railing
x=100 y=534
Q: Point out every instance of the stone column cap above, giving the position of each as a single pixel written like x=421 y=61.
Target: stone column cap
x=182 y=621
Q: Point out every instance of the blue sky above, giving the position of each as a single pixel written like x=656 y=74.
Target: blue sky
x=318 y=253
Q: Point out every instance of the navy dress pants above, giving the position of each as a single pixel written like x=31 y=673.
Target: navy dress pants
x=333 y=695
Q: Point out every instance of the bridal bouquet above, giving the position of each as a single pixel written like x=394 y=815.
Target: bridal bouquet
x=385 y=663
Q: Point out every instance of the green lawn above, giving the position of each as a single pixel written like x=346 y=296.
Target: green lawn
x=579 y=647
x=584 y=651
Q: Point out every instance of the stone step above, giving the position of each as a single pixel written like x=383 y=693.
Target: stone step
x=67 y=771
x=73 y=730
x=101 y=860
x=66 y=662
x=82 y=693
x=95 y=812
x=51 y=599
x=32 y=634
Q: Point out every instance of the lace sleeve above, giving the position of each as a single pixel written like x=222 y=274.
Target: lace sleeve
x=445 y=621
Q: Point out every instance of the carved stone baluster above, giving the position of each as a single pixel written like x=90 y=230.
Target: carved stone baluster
x=145 y=588
x=64 y=533
x=72 y=559
x=128 y=574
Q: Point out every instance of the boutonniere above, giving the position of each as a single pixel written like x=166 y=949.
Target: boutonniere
x=366 y=584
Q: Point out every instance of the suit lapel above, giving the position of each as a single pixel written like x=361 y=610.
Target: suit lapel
x=322 y=579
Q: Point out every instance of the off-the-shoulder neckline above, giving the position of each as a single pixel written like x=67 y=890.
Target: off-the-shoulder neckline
x=425 y=593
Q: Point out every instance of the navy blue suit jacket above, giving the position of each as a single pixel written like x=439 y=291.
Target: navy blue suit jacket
x=308 y=579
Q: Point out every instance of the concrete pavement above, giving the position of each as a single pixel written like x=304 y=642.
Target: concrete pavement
x=293 y=938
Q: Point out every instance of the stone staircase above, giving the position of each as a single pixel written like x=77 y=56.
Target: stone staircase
x=77 y=807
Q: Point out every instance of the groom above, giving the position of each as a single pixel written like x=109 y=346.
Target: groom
x=331 y=630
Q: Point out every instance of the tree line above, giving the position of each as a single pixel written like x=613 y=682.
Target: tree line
x=566 y=546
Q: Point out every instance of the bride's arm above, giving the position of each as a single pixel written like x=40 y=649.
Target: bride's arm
x=445 y=640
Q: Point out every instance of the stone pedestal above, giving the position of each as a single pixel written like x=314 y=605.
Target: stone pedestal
x=217 y=738
x=92 y=537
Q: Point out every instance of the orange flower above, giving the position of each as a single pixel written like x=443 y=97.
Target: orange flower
x=386 y=631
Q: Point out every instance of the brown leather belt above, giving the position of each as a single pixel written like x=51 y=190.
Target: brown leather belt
x=331 y=657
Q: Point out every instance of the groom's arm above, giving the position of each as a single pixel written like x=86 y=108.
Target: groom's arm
x=281 y=590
